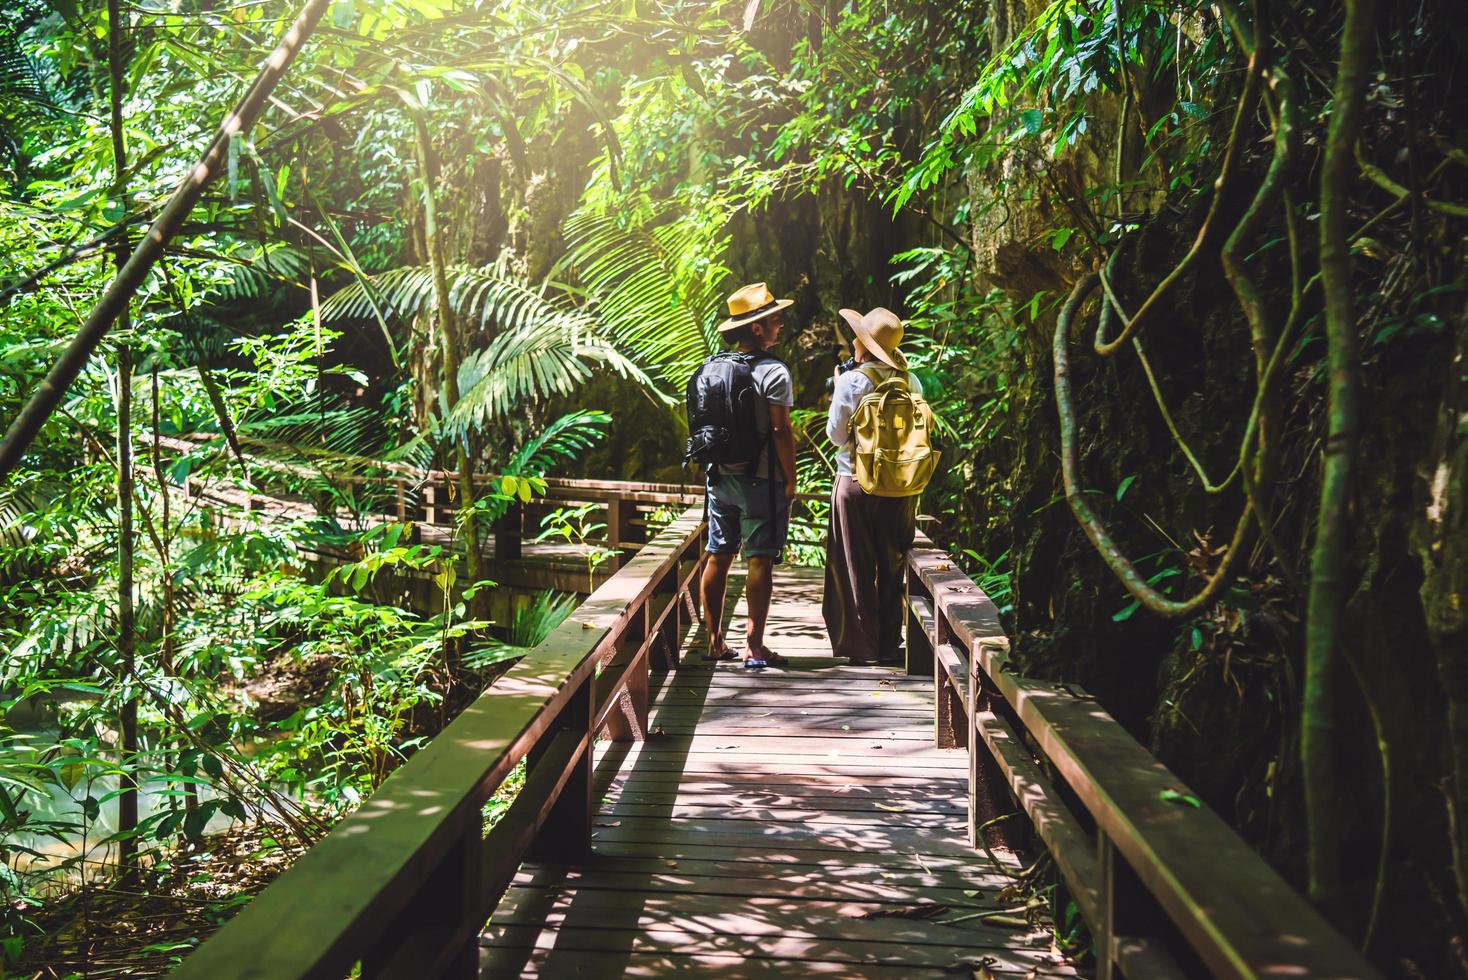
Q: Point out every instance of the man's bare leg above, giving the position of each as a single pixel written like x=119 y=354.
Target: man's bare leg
x=758 y=585
x=711 y=588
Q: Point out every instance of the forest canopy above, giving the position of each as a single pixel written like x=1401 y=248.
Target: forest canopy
x=1184 y=283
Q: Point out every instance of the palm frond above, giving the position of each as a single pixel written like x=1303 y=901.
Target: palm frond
x=568 y=437
x=259 y=271
x=655 y=285
x=404 y=292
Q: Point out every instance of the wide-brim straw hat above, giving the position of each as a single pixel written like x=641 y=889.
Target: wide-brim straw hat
x=750 y=303
x=880 y=332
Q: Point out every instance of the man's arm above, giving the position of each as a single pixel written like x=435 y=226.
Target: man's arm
x=782 y=438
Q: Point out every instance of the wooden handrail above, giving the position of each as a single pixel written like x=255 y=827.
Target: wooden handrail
x=1165 y=885
x=405 y=883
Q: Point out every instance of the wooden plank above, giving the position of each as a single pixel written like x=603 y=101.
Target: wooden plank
x=787 y=852
x=744 y=916
x=716 y=712
x=811 y=676
x=526 y=962
x=762 y=746
x=860 y=892
x=947 y=787
x=1072 y=848
x=696 y=804
x=690 y=935
x=853 y=870
x=807 y=816
x=840 y=727
x=728 y=764
x=955 y=667
x=867 y=699
x=968 y=612
x=516 y=961
x=923 y=610
x=792 y=837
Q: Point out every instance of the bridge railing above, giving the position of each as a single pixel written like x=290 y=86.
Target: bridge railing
x=1167 y=888
x=405 y=884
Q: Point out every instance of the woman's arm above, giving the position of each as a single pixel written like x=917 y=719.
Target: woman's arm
x=843 y=402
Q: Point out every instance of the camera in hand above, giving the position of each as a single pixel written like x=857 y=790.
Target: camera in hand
x=841 y=368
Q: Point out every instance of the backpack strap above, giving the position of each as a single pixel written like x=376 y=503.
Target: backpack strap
x=768 y=450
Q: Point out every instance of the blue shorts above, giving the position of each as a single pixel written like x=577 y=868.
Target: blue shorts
x=739 y=514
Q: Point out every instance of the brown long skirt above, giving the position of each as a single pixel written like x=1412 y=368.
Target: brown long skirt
x=865 y=585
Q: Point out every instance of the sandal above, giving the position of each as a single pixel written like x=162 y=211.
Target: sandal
x=775 y=660
x=726 y=654
x=755 y=663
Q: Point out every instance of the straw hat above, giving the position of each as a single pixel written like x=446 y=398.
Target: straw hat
x=750 y=303
x=879 y=332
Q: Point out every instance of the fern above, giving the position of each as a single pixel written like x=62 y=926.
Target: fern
x=656 y=289
x=568 y=437
x=259 y=271
x=647 y=312
x=543 y=344
x=529 y=625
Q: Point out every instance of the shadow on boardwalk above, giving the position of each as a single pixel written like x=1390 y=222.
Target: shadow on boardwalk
x=789 y=822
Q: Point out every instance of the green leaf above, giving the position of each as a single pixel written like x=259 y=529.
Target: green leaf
x=196 y=820
x=1032 y=120
x=1122 y=487
x=1126 y=612
x=394 y=532
x=1171 y=795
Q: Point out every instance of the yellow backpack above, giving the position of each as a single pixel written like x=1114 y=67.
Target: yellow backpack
x=891 y=443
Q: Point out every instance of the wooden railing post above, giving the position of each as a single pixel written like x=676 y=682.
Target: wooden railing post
x=628 y=722
x=566 y=833
x=675 y=625
x=430 y=504
x=989 y=796
x=509 y=533
x=622 y=533
x=437 y=934
x=402 y=498
x=919 y=644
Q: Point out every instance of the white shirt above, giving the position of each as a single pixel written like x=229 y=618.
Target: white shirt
x=851 y=387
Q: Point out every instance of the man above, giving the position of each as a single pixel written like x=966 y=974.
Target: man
x=868 y=535
x=749 y=503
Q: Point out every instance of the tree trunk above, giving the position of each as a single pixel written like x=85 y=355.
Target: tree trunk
x=127 y=797
x=1329 y=569
x=449 y=329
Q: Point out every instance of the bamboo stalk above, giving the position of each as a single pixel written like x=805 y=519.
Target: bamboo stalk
x=114 y=301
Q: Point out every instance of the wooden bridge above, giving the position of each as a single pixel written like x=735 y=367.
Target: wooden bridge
x=819 y=819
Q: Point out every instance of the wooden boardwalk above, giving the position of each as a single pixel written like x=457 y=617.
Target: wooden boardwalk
x=787 y=822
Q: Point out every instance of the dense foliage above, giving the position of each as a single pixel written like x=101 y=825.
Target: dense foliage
x=494 y=236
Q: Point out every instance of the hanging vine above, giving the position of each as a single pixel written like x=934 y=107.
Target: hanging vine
x=1254 y=461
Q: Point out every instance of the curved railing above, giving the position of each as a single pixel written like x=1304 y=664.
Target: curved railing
x=1167 y=888
x=404 y=884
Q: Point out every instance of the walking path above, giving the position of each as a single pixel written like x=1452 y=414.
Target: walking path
x=786 y=822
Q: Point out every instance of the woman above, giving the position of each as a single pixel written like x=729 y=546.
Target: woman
x=868 y=535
